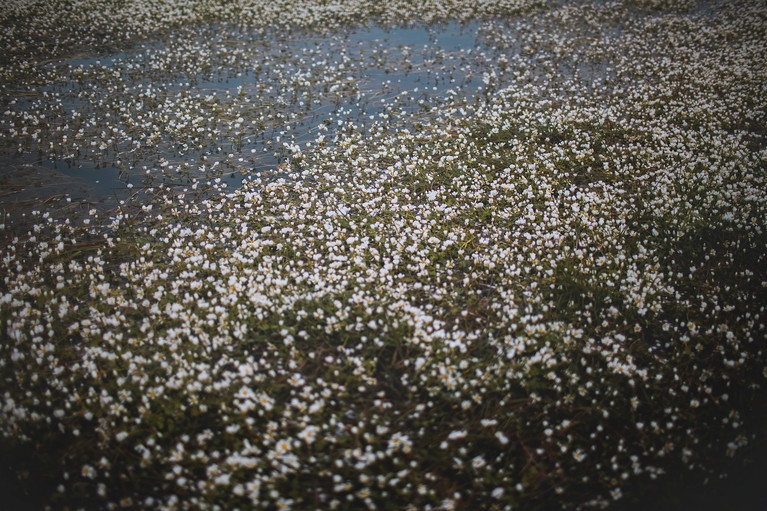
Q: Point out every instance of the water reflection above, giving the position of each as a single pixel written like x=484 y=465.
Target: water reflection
x=230 y=102
x=233 y=102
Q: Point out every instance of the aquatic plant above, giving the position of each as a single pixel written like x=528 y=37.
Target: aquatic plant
x=547 y=294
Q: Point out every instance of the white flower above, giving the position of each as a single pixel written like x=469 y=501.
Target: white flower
x=88 y=472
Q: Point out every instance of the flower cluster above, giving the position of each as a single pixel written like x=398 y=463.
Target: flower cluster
x=547 y=291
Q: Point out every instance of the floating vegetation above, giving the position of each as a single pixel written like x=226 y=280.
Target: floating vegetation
x=380 y=256
x=235 y=103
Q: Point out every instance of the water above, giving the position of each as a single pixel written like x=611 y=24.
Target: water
x=232 y=103
x=94 y=182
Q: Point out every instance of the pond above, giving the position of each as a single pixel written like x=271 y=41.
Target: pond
x=512 y=261
x=230 y=103
x=226 y=103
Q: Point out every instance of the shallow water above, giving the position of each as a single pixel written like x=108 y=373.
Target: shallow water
x=231 y=103
x=255 y=96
